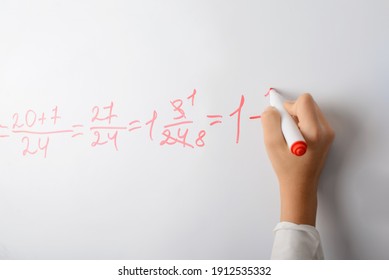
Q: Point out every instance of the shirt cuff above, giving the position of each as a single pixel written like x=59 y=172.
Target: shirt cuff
x=296 y=242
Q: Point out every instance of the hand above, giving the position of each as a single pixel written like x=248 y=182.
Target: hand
x=298 y=176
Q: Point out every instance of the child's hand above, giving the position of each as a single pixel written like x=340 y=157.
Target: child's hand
x=298 y=176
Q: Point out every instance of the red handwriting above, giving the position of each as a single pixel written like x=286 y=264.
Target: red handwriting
x=200 y=138
x=180 y=138
x=42 y=132
x=151 y=123
x=106 y=126
x=109 y=116
x=192 y=96
x=214 y=117
x=105 y=132
x=26 y=124
x=177 y=104
x=55 y=116
x=75 y=128
x=41 y=146
x=238 y=112
x=136 y=127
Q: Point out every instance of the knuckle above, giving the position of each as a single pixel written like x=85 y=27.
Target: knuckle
x=306 y=99
x=269 y=113
x=322 y=135
x=315 y=134
x=330 y=135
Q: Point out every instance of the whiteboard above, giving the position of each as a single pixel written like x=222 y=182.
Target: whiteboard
x=131 y=129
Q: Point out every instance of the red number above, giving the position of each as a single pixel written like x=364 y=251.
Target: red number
x=30 y=118
x=192 y=96
x=27 y=149
x=199 y=140
x=16 y=120
x=170 y=140
x=177 y=104
x=238 y=111
x=95 y=117
x=151 y=123
x=55 y=116
x=114 y=138
x=110 y=116
x=100 y=142
x=43 y=147
x=97 y=142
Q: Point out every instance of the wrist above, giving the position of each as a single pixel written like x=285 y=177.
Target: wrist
x=298 y=206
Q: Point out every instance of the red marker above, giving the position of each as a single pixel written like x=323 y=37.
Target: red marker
x=292 y=134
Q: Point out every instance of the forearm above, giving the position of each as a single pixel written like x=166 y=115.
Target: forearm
x=298 y=207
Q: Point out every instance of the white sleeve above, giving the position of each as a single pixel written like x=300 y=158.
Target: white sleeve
x=296 y=242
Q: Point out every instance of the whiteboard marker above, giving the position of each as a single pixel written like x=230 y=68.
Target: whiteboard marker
x=292 y=134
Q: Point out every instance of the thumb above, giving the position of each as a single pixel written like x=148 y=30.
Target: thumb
x=271 y=124
x=290 y=107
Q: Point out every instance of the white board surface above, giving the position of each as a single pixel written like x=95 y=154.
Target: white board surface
x=94 y=165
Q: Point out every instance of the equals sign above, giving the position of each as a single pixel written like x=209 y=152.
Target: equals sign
x=215 y=117
x=77 y=133
x=4 y=135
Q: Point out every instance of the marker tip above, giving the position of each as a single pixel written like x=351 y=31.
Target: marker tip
x=268 y=92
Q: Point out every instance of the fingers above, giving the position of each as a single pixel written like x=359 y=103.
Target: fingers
x=328 y=129
x=271 y=124
x=310 y=119
x=305 y=109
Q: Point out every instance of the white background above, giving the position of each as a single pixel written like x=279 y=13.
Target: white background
x=148 y=201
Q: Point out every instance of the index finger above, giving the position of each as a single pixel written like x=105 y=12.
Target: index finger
x=304 y=109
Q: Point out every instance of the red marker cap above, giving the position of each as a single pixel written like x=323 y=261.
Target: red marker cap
x=299 y=148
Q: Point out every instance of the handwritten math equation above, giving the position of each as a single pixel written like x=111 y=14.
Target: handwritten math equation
x=105 y=126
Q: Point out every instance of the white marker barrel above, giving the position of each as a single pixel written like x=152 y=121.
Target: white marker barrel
x=292 y=134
